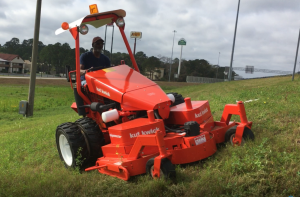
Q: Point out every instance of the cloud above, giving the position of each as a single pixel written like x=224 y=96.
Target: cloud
x=266 y=37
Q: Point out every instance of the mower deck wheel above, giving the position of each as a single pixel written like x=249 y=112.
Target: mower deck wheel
x=167 y=169
x=93 y=136
x=70 y=145
x=230 y=134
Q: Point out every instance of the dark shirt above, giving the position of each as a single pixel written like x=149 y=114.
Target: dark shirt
x=88 y=60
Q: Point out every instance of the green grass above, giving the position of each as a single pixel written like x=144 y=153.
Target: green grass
x=269 y=166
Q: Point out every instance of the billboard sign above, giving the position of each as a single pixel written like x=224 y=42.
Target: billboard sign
x=136 y=34
x=249 y=69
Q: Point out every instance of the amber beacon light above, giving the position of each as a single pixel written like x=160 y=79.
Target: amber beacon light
x=94 y=9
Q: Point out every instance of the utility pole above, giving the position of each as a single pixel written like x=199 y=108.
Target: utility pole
x=171 y=56
x=296 y=56
x=112 y=42
x=232 y=52
x=218 y=66
x=34 y=59
x=105 y=37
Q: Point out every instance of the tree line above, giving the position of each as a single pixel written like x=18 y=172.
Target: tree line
x=54 y=57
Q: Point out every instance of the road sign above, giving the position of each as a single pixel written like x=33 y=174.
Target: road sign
x=249 y=69
x=182 y=41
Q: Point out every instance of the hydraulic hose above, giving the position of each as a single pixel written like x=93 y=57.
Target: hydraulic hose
x=157 y=116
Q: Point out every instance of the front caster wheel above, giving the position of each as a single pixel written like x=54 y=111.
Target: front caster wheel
x=230 y=134
x=167 y=169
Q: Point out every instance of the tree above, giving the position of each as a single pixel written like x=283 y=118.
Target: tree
x=140 y=58
x=151 y=65
x=57 y=56
x=12 y=46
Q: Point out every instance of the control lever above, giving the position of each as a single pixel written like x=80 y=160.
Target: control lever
x=99 y=107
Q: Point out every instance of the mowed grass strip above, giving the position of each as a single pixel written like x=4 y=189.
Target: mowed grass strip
x=269 y=166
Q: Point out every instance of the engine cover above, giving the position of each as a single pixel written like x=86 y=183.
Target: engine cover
x=127 y=132
x=179 y=114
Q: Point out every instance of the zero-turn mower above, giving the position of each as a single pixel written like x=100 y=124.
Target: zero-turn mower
x=130 y=126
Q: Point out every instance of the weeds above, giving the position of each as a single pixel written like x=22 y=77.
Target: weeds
x=79 y=160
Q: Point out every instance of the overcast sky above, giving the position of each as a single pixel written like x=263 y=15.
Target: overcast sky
x=267 y=31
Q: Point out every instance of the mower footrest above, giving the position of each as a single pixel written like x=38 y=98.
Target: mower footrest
x=122 y=172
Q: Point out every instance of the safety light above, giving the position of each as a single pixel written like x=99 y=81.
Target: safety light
x=120 y=22
x=83 y=29
x=65 y=26
x=93 y=9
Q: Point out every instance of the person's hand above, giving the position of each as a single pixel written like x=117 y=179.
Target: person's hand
x=89 y=70
x=95 y=68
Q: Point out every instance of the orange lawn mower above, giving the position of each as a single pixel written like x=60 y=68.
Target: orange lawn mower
x=130 y=126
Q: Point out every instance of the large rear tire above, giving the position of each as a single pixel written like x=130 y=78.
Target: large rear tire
x=230 y=134
x=71 y=145
x=94 y=137
x=178 y=98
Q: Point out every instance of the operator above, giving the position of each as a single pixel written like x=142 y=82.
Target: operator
x=93 y=58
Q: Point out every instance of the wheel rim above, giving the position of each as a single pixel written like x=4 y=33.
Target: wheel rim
x=65 y=150
x=231 y=140
x=161 y=172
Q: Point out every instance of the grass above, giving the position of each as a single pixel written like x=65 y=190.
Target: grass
x=269 y=166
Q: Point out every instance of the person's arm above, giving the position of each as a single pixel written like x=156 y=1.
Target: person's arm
x=83 y=61
x=82 y=70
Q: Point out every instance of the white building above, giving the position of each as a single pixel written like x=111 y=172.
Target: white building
x=10 y=63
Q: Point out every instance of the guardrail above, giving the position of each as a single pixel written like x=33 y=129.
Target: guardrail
x=192 y=79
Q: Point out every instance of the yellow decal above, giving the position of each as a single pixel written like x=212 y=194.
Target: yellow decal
x=107 y=70
x=117 y=146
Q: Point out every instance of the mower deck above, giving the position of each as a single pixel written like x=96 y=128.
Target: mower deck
x=124 y=161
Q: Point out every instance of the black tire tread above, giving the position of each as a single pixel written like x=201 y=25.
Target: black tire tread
x=94 y=136
x=178 y=98
x=76 y=141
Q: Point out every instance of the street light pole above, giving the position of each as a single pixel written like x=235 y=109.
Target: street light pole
x=218 y=65
x=232 y=52
x=171 y=56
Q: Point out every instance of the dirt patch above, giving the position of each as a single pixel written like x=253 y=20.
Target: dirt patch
x=298 y=142
x=63 y=82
